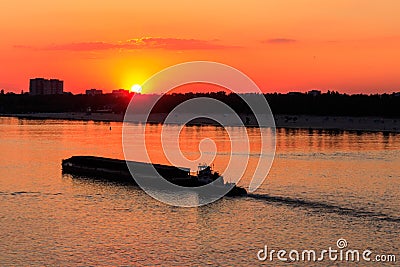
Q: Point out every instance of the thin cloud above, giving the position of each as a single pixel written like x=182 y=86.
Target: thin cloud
x=178 y=44
x=279 y=41
x=139 y=43
x=23 y=46
x=85 y=46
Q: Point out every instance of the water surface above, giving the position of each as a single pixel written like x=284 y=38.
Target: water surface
x=323 y=185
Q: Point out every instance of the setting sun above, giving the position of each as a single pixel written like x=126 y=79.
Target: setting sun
x=136 y=88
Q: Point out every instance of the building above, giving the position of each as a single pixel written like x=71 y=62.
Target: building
x=41 y=86
x=295 y=93
x=94 y=92
x=314 y=92
x=120 y=92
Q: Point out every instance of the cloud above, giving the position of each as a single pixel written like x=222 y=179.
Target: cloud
x=89 y=46
x=279 y=41
x=139 y=43
x=23 y=46
x=178 y=44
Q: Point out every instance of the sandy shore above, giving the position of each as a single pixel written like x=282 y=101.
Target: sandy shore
x=374 y=124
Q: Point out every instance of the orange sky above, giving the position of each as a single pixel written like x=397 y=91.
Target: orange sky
x=345 y=45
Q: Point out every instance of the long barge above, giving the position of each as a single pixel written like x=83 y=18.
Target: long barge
x=117 y=170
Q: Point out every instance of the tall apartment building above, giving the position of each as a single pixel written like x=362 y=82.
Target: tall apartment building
x=41 y=86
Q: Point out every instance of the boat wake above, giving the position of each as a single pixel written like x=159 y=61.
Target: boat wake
x=324 y=207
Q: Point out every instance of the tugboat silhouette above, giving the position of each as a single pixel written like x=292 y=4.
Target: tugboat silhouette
x=117 y=170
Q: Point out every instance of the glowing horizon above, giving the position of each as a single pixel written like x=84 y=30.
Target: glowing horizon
x=292 y=45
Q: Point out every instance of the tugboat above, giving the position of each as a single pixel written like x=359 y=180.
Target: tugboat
x=206 y=175
x=117 y=170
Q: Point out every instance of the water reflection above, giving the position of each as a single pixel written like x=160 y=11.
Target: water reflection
x=320 y=183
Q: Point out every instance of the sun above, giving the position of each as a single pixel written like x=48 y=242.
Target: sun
x=136 y=88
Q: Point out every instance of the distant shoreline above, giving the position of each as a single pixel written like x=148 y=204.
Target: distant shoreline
x=341 y=123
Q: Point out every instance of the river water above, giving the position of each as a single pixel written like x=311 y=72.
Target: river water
x=322 y=186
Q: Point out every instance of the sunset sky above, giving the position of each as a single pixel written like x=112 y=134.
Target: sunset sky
x=287 y=45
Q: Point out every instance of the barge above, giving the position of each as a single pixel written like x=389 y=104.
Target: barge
x=117 y=170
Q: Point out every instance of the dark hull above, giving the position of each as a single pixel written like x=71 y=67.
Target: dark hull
x=117 y=170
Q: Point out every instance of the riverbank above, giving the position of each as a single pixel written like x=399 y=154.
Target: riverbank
x=345 y=123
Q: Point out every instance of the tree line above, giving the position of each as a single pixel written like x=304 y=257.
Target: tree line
x=330 y=103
